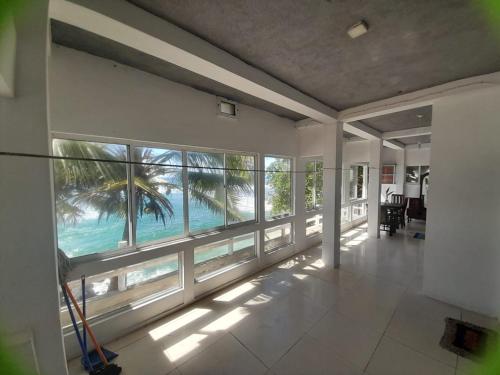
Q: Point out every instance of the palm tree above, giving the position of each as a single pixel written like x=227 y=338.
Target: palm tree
x=104 y=186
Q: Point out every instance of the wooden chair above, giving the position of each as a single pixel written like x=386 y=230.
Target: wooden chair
x=416 y=209
x=397 y=198
x=388 y=220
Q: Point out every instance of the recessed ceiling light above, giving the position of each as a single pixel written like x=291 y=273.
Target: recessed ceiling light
x=420 y=116
x=357 y=29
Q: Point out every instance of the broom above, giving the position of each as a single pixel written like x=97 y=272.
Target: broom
x=108 y=368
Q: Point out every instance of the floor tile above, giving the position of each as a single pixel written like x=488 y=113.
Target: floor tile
x=346 y=338
x=417 y=303
x=309 y=357
x=393 y=358
x=422 y=334
x=226 y=356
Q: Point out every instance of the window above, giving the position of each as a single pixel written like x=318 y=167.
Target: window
x=127 y=286
x=219 y=256
x=277 y=237
x=158 y=194
x=278 y=187
x=92 y=197
x=206 y=190
x=388 y=174
x=358 y=181
x=240 y=185
x=314 y=185
x=358 y=210
x=314 y=225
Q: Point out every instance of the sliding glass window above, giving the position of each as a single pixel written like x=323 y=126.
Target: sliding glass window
x=314 y=185
x=240 y=185
x=158 y=193
x=278 y=187
x=206 y=191
x=92 y=197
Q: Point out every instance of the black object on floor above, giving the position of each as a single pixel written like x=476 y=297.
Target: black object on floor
x=110 y=369
x=419 y=236
x=466 y=339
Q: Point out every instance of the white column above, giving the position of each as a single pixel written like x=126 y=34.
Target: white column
x=400 y=171
x=332 y=180
x=375 y=166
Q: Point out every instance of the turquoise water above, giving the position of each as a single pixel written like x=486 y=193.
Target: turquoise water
x=90 y=236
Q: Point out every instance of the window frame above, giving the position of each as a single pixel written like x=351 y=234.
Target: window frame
x=315 y=207
x=292 y=187
x=132 y=246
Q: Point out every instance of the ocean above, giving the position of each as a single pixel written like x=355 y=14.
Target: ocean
x=90 y=236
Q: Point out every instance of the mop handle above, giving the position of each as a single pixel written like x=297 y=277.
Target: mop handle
x=77 y=331
x=84 y=307
x=86 y=325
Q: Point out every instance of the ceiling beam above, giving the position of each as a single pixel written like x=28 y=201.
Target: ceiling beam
x=413 y=132
x=134 y=27
x=391 y=143
x=419 y=98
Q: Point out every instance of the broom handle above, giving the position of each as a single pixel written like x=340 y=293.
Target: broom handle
x=86 y=325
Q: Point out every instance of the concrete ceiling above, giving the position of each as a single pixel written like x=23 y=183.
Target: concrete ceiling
x=415 y=140
x=413 y=118
x=82 y=40
x=410 y=44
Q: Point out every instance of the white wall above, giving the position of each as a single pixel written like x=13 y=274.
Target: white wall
x=90 y=95
x=28 y=283
x=416 y=155
x=462 y=252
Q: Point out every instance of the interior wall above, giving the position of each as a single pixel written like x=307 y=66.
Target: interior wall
x=462 y=256
x=91 y=95
x=29 y=304
x=416 y=155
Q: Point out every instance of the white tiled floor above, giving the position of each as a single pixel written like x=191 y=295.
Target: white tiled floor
x=297 y=317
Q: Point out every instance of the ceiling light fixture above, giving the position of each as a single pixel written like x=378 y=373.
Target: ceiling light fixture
x=420 y=116
x=358 y=29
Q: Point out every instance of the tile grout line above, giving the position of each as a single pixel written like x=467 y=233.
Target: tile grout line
x=249 y=350
x=383 y=334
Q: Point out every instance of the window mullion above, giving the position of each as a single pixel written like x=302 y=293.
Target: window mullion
x=132 y=202
x=185 y=193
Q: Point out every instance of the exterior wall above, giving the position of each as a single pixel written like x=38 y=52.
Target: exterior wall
x=462 y=257
x=29 y=305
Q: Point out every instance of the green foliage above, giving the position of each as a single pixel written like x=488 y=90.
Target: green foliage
x=9 y=8
x=280 y=179
x=104 y=185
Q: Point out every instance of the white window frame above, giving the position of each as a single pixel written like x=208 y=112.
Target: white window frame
x=292 y=187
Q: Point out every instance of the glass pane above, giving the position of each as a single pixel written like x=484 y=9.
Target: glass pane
x=412 y=176
x=310 y=178
x=352 y=182
x=344 y=215
x=240 y=184
x=388 y=169
x=358 y=211
x=217 y=256
x=206 y=190
x=360 y=182
x=387 y=179
x=277 y=237
x=278 y=188
x=159 y=194
x=314 y=225
x=319 y=184
x=91 y=197
x=127 y=286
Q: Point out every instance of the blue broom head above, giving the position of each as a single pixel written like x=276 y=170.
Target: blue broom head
x=96 y=361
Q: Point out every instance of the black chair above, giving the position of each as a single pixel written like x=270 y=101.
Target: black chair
x=388 y=220
x=397 y=198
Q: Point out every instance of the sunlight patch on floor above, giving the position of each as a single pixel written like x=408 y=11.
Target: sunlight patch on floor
x=235 y=292
x=174 y=325
x=228 y=320
x=183 y=347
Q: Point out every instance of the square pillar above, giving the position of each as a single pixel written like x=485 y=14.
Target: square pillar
x=332 y=182
x=400 y=171
x=375 y=170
